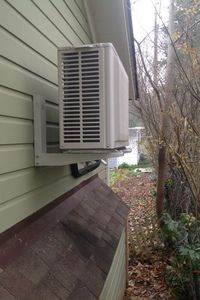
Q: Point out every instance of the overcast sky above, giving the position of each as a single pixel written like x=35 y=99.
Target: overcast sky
x=143 y=16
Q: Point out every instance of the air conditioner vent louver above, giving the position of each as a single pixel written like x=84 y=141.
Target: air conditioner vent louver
x=93 y=98
x=90 y=96
x=71 y=97
x=81 y=103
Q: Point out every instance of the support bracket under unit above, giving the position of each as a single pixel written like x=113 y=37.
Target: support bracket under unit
x=45 y=158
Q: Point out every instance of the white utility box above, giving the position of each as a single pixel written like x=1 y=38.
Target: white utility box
x=93 y=98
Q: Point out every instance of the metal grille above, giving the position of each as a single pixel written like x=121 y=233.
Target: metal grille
x=90 y=96
x=71 y=97
x=81 y=99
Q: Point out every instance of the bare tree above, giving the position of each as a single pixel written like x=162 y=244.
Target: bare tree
x=170 y=104
x=165 y=125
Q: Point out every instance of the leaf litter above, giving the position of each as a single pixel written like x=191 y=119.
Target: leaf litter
x=147 y=256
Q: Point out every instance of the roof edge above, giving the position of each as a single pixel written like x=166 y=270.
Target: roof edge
x=130 y=33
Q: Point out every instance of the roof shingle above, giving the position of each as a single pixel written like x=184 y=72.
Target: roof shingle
x=73 y=241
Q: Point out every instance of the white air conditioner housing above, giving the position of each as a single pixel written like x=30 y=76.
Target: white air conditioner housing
x=93 y=98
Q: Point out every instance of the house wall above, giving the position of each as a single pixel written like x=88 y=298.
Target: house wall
x=30 y=33
x=115 y=284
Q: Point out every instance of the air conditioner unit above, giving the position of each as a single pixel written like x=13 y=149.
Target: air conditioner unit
x=93 y=98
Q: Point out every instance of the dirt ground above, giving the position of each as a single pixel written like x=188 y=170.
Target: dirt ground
x=147 y=261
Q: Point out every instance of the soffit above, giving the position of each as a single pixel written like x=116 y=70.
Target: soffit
x=109 y=22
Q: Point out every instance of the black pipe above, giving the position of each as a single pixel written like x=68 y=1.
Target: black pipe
x=89 y=166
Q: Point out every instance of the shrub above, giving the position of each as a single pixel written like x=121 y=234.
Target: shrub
x=144 y=162
x=182 y=237
x=127 y=166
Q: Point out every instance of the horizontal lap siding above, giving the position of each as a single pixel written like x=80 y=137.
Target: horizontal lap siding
x=103 y=174
x=115 y=284
x=30 y=32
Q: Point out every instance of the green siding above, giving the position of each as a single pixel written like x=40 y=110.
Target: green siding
x=115 y=284
x=30 y=32
x=104 y=175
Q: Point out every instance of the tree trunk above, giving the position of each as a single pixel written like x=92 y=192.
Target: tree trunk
x=165 y=128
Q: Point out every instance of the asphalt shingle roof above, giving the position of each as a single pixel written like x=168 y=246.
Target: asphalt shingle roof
x=67 y=252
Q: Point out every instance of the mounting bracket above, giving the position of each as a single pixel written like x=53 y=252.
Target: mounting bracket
x=44 y=158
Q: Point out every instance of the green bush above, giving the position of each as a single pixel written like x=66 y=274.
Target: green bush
x=144 y=163
x=127 y=166
x=182 y=237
